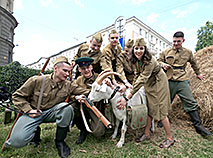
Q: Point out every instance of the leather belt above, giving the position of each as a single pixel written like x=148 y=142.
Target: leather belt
x=178 y=67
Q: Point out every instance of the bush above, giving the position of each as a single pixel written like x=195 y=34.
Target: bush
x=14 y=75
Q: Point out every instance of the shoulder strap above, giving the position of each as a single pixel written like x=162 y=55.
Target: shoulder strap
x=85 y=121
x=41 y=93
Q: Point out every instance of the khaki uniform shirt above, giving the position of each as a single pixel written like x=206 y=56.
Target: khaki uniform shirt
x=145 y=74
x=178 y=60
x=108 y=59
x=54 y=93
x=125 y=67
x=85 y=84
x=155 y=82
x=85 y=51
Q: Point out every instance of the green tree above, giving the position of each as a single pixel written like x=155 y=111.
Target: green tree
x=205 y=36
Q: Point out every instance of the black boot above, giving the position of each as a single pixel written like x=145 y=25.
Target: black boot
x=81 y=137
x=63 y=148
x=198 y=124
x=36 y=139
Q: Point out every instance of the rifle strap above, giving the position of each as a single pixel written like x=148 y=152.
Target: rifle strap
x=85 y=121
x=41 y=93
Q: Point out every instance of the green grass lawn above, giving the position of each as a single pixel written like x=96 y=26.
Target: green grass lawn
x=188 y=144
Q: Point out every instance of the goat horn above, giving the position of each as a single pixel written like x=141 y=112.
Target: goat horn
x=104 y=72
x=99 y=79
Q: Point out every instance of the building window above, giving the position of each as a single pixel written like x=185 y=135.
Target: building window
x=151 y=38
x=10 y=36
x=160 y=43
x=9 y=57
x=140 y=31
x=146 y=35
x=156 y=41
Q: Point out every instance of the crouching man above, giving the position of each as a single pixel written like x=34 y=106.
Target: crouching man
x=85 y=82
x=42 y=99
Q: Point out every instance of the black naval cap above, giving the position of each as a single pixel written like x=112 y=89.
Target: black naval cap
x=84 y=61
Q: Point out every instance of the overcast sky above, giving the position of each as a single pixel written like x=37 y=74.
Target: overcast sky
x=47 y=27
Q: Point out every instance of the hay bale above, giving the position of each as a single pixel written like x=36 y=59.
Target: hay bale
x=202 y=90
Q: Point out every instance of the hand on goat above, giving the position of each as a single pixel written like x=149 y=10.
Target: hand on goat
x=122 y=89
x=80 y=98
x=121 y=104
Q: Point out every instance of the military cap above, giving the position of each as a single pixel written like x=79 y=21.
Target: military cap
x=98 y=37
x=129 y=43
x=83 y=49
x=113 y=32
x=84 y=61
x=140 y=42
x=60 y=60
x=169 y=73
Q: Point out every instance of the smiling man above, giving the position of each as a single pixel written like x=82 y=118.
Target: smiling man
x=52 y=91
x=177 y=58
x=84 y=82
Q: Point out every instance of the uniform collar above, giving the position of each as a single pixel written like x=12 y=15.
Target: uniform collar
x=53 y=83
x=90 y=51
x=92 y=78
x=116 y=48
x=178 y=50
x=140 y=62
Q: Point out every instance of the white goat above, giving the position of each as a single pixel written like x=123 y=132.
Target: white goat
x=102 y=91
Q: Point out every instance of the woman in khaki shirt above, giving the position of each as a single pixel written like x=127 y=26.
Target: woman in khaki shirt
x=150 y=75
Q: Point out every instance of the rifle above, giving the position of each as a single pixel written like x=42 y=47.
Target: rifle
x=90 y=105
x=43 y=68
x=70 y=77
x=19 y=114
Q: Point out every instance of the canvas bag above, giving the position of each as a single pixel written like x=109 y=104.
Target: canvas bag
x=137 y=110
x=136 y=116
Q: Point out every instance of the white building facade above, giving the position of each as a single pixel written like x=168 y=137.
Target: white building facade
x=133 y=29
x=8 y=24
x=69 y=53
